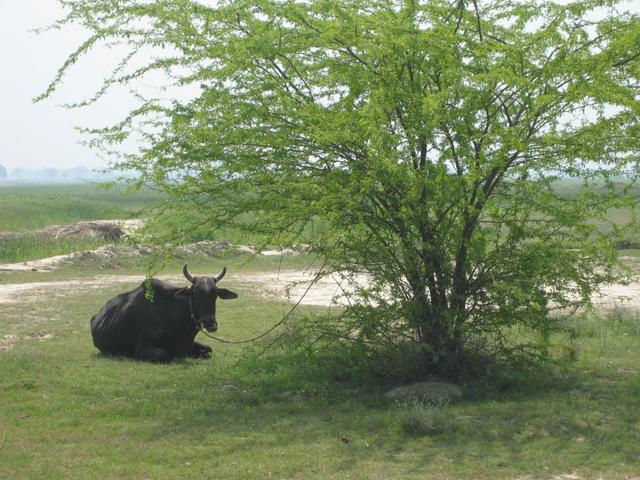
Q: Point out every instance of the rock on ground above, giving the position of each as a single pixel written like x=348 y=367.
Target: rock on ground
x=431 y=391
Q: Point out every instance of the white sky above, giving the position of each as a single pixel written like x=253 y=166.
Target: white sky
x=43 y=135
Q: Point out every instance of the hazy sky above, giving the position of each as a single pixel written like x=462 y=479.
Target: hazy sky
x=43 y=135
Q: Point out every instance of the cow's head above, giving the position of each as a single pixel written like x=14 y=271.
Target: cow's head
x=202 y=295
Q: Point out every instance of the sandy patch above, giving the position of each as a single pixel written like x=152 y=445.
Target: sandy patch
x=291 y=286
x=288 y=285
x=296 y=285
x=616 y=295
x=7 y=342
x=33 y=291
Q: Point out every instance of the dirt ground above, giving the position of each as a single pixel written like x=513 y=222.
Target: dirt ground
x=288 y=285
x=293 y=286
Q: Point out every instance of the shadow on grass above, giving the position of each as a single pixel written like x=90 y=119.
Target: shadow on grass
x=555 y=417
x=240 y=406
x=229 y=391
x=559 y=412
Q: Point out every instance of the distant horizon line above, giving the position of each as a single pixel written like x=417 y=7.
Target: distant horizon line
x=61 y=174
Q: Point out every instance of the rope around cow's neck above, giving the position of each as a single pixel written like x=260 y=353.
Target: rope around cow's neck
x=193 y=317
x=284 y=319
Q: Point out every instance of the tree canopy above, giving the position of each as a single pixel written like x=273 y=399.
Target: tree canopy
x=419 y=142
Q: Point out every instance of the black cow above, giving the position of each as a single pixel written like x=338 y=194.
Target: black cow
x=163 y=328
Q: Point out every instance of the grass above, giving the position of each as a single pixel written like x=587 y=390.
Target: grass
x=29 y=246
x=35 y=206
x=69 y=412
x=426 y=418
x=29 y=207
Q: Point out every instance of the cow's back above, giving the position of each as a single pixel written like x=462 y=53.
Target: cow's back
x=113 y=327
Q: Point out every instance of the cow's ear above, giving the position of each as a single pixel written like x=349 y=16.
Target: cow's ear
x=183 y=293
x=225 y=294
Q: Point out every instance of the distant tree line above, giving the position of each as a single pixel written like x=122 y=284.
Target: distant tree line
x=80 y=172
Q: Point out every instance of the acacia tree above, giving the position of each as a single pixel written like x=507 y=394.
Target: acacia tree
x=417 y=142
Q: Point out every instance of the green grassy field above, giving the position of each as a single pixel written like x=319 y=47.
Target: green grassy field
x=29 y=207
x=32 y=206
x=69 y=412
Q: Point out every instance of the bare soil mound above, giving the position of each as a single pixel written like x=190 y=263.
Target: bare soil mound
x=104 y=256
x=108 y=229
x=110 y=256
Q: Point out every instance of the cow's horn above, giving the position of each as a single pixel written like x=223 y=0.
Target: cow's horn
x=218 y=277
x=187 y=275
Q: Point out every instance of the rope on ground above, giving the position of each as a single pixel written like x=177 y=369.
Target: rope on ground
x=282 y=320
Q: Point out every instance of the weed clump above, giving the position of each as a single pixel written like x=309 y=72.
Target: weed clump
x=418 y=419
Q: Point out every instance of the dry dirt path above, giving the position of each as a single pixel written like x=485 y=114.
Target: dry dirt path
x=287 y=285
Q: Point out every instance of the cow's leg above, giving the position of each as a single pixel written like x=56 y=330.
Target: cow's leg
x=153 y=354
x=200 y=351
